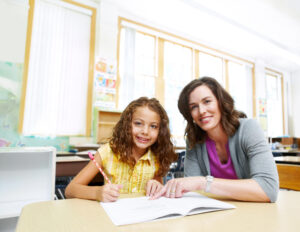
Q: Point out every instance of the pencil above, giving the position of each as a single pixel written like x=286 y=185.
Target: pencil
x=100 y=169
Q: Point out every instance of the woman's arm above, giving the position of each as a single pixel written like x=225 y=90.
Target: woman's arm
x=242 y=190
x=260 y=159
x=78 y=187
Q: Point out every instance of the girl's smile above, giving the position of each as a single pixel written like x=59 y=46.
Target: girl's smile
x=145 y=129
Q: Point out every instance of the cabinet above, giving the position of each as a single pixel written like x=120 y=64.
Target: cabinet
x=106 y=120
x=27 y=175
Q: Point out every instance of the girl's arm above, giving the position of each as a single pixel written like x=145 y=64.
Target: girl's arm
x=78 y=187
x=154 y=186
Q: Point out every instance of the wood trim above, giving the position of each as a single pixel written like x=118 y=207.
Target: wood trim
x=289 y=176
x=273 y=71
x=159 y=83
x=282 y=99
x=226 y=75
x=187 y=40
x=80 y=5
x=254 y=92
x=26 y=64
x=118 y=61
x=196 y=64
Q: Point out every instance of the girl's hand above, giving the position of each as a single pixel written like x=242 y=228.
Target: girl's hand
x=153 y=186
x=177 y=187
x=108 y=192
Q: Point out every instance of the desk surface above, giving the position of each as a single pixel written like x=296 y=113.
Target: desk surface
x=82 y=215
x=288 y=159
x=286 y=151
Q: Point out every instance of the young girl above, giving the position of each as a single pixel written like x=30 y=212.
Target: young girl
x=136 y=158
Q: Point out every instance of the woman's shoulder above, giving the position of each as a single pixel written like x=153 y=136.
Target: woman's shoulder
x=250 y=129
x=248 y=124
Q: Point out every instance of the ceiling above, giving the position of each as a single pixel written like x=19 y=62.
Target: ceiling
x=265 y=31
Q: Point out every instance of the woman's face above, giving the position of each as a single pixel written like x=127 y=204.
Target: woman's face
x=204 y=109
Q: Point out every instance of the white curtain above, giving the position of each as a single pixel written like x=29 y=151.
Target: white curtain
x=127 y=67
x=240 y=87
x=274 y=105
x=56 y=94
x=177 y=73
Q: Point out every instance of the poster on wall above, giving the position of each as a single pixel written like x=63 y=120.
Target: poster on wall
x=262 y=114
x=105 y=83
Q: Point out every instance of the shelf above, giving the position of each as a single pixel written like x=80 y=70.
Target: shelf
x=28 y=174
x=106 y=122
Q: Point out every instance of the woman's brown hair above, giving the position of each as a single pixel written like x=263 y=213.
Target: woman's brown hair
x=121 y=141
x=229 y=115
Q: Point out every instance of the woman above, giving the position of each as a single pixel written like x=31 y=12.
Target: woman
x=226 y=153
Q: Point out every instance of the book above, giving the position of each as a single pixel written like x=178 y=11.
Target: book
x=141 y=209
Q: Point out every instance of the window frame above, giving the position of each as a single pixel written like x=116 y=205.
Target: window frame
x=91 y=64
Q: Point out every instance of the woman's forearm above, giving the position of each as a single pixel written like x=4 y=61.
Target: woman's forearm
x=243 y=190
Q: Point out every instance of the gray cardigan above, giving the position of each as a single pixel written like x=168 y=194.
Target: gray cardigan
x=250 y=154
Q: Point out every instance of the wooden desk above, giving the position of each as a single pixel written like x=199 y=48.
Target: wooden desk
x=289 y=171
x=70 y=165
x=287 y=160
x=82 y=215
x=290 y=152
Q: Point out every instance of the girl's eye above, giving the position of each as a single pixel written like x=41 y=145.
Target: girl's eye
x=137 y=123
x=154 y=126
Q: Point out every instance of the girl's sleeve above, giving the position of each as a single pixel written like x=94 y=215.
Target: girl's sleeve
x=191 y=163
x=261 y=161
x=104 y=151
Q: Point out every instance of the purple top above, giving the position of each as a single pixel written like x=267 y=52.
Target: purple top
x=217 y=169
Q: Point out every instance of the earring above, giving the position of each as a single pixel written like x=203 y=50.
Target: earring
x=194 y=121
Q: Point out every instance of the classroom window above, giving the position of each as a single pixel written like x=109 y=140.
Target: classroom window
x=274 y=104
x=137 y=66
x=157 y=64
x=211 y=66
x=177 y=73
x=58 y=79
x=240 y=86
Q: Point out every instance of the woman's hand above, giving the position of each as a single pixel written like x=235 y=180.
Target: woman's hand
x=153 y=186
x=177 y=187
x=108 y=192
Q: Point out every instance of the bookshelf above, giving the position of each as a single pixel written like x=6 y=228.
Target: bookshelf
x=106 y=120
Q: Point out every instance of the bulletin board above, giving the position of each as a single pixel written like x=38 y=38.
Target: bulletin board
x=105 y=83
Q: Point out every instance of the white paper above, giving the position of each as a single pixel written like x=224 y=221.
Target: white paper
x=141 y=209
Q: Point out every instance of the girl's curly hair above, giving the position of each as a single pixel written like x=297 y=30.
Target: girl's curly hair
x=121 y=141
x=229 y=115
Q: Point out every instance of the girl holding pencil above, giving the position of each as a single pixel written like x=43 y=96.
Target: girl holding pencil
x=138 y=155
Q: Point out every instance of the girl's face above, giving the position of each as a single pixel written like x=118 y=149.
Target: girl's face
x=205 y=109
x=145 y=128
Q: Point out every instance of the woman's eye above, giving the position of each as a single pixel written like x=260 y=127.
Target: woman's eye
x=194 y=107
x=207 y=101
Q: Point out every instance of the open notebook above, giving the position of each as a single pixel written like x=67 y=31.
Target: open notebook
x=141 y=209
